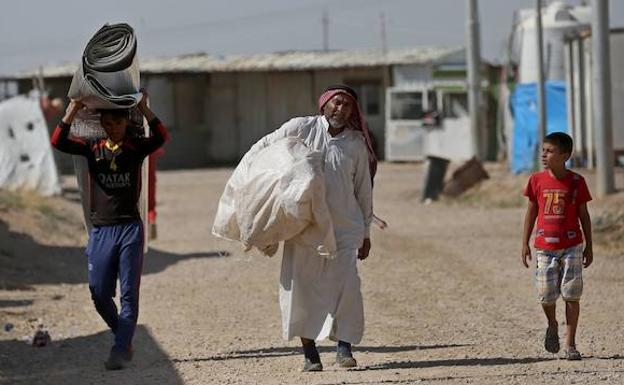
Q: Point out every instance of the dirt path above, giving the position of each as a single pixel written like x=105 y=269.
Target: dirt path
x=446 y=300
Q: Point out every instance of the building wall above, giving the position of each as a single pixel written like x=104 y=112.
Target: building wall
x=580 y=103
x=179 y=101
x=243 y=107
x=8 y=88
x=252 y=109
x=290 y=94
x=214 y=118
x=246 y=106
x=223 y=135
x=617 y=88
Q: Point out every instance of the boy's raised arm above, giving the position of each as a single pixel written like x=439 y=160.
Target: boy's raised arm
x=60 y=137
x=158 y=132
x=145 y=110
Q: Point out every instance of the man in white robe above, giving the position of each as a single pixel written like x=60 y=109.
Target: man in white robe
x=321 y=297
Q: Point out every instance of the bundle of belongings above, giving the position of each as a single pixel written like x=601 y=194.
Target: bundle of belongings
x=277 y=194
x=108 y=78
x=26 y=160
x=108 y=75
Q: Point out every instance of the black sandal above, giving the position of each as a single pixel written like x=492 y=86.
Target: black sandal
x=551 y=340
x=571 y=354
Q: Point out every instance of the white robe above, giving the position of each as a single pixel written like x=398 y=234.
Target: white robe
x=321 y=297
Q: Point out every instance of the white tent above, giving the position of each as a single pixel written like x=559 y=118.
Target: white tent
x=26 y=160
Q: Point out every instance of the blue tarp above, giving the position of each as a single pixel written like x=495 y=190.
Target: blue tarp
x=525 y=112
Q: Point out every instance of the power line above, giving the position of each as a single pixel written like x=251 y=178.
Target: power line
x=268 y=15
x=325 y=22
x=384 y=36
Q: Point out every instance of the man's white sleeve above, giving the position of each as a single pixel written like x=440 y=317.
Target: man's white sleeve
x=364 y=188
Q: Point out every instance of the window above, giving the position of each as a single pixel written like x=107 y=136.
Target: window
x=432 y=101
x=369 y=98
x=406 y=106
x=455 y=104
x=8 y=88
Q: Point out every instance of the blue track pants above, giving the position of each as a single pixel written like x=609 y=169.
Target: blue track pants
x=117 y=251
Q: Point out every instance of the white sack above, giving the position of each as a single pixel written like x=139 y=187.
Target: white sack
x=26 y=160
x=275 y=195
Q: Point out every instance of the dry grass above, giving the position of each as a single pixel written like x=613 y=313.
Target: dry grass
x=47 y=218
x=11 y=201
x=502 y=190
x=608 y=222
x=32 y=204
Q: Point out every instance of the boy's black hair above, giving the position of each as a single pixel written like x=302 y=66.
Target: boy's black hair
x=115 y=113
x=560 y=140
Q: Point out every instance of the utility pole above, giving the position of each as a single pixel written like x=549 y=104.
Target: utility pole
x=601 y=74
x=474 y=74
x=541 y=93
x=384 y=36
x=325 y=21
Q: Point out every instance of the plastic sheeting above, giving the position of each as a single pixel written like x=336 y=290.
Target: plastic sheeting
x=26 y=160
x=274 y=195
x=108 y=76
x=525 y=113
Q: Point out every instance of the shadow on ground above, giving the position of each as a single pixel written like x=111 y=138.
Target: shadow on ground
x=26 y=262
x=291 y=351
x=453 y=362
x=72 y=194
x=80 y=360
x=15 y=303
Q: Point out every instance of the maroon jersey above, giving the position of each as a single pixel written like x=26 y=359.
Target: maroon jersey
x=114 y=170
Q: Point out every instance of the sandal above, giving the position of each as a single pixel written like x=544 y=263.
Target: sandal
x=571 y=354
x=551 y=340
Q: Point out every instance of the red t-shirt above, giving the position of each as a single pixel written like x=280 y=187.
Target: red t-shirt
x=558 y=200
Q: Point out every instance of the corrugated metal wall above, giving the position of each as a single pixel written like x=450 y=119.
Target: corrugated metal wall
x=215 y=118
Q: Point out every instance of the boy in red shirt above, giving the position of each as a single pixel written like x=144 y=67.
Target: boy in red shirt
x=558 y=200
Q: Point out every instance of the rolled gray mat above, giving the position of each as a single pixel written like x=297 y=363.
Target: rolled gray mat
x=108 y=75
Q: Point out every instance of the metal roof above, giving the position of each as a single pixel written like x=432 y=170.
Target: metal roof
x=279 y=61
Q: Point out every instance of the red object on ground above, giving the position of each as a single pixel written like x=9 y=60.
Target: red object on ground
x=151 y=181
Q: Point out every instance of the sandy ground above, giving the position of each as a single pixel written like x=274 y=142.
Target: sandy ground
x=446 y=298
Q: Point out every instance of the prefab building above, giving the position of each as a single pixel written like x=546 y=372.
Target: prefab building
x=580 y=102
x=217 y=107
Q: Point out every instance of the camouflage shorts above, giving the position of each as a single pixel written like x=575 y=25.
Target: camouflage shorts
x=559 y=272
